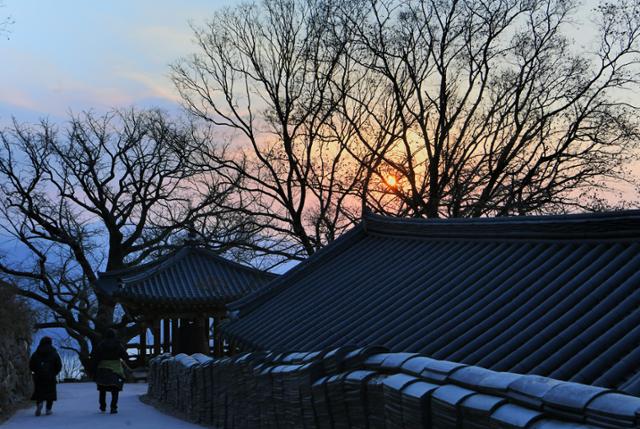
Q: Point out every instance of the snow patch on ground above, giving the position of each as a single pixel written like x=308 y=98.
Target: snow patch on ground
x=77 y=408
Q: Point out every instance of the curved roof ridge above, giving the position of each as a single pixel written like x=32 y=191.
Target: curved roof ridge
x=148 y=269
x=614 y=225
x=159 y=265
x=211 y=254
x=140 y=267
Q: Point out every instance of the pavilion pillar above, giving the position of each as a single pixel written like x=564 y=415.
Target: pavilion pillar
x=156 y=337
x=142 y=356
x=205 y=323
x=203 y=327
x=217 y=338
x=175 y=337
x=166 y=335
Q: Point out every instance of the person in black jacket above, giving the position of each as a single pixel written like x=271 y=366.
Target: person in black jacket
x=108 y=370
x=45 y=365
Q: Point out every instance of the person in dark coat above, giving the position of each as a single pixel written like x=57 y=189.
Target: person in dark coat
x=108 y=370
x=45 y=365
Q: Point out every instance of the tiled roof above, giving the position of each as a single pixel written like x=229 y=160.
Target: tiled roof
x=191 y=277
x=557 y=296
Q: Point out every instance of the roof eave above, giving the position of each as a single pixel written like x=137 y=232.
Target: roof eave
x=248 y=303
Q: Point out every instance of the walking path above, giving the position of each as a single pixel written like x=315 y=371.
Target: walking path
x=77 y=408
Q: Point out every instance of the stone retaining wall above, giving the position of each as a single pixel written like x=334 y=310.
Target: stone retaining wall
x=369 y=388
x=15 y=339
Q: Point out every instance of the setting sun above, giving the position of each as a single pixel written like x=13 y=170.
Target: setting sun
x=391 y=181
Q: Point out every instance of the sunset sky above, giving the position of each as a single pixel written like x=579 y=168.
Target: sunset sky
x=72 y=55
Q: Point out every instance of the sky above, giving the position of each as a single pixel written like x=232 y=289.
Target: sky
x=72 y=55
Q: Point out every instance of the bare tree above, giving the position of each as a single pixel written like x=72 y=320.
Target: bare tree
x=72 y=368
x=420 y=107
x=264 y=74
x=106 y=193
x=476 y=108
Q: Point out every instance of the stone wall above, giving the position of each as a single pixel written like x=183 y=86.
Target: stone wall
x=15 y=339
x=369 y=388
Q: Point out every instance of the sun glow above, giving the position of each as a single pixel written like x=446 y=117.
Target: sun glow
x=391 y=181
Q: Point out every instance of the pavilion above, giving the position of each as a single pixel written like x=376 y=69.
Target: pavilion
x=181 y=298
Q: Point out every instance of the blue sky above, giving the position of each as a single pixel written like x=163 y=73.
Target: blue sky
x=73 y=55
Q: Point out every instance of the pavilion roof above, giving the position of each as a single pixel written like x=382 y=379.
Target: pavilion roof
x=188 y=279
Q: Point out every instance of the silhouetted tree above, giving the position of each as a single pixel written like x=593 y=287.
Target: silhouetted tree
x=263 y=75
x=488 y=107
x=420 y=107
x=105 y=193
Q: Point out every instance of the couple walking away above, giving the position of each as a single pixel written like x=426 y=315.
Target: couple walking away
x=106 y=367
